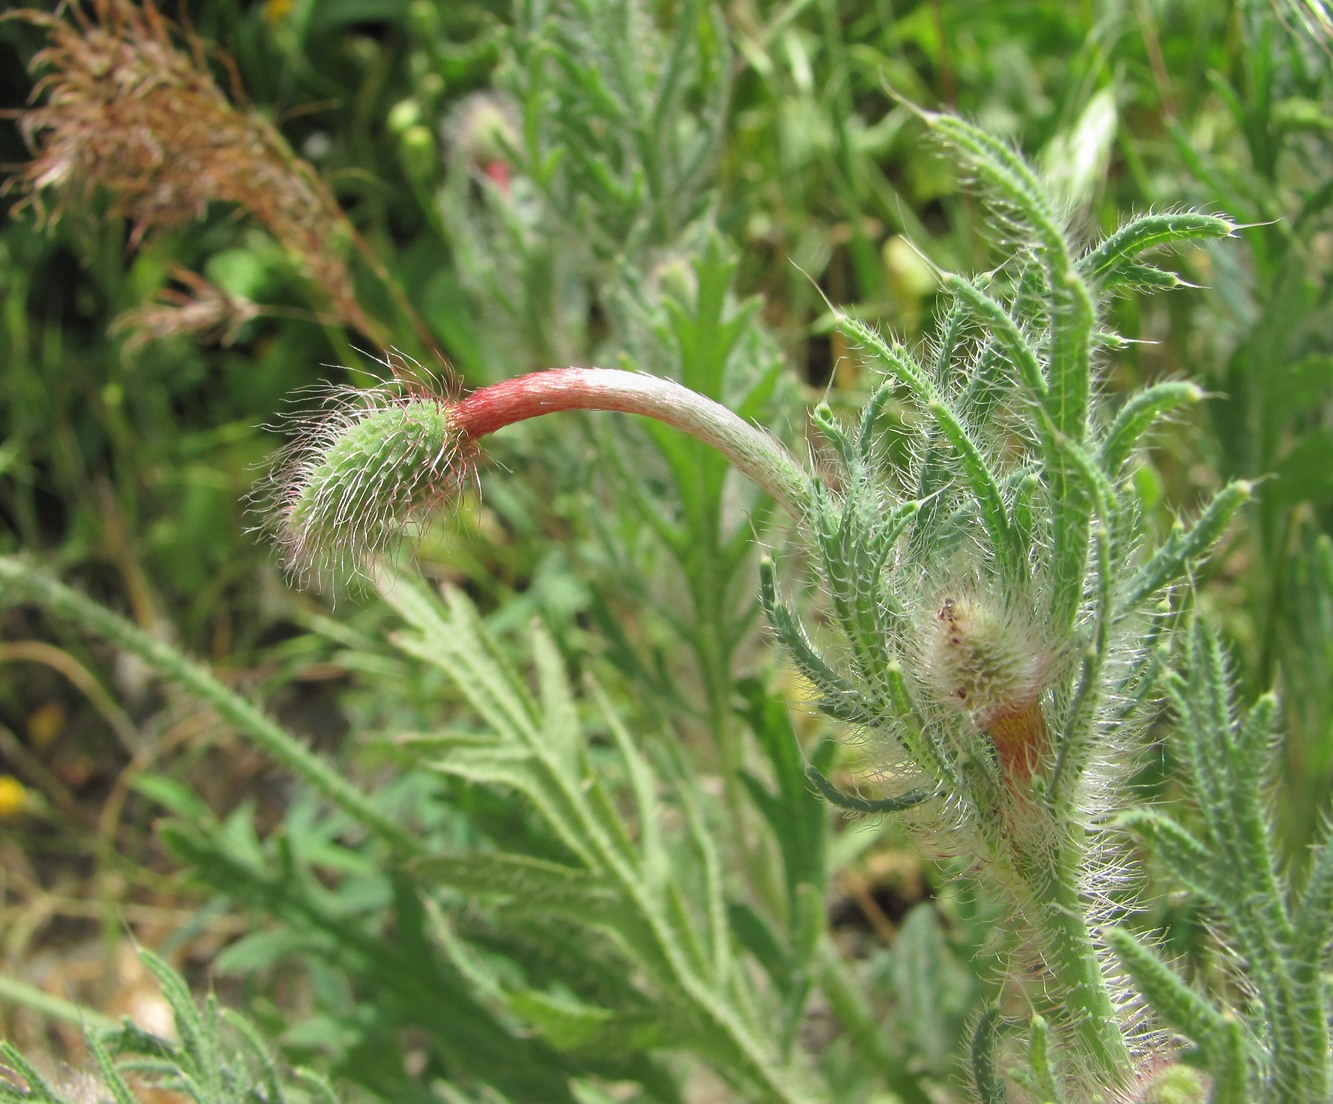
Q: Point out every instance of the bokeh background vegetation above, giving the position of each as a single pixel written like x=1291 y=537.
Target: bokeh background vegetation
x=675 y=187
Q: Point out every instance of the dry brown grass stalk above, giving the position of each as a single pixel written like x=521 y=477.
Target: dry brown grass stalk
x=201 y=309
x=126 y=106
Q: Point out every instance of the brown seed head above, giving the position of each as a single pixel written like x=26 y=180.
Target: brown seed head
x=127 y=107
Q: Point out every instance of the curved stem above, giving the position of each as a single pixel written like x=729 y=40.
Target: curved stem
x=754 y=452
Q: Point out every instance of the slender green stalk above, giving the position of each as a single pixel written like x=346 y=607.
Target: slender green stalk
x=24 y=583
x=16 y=994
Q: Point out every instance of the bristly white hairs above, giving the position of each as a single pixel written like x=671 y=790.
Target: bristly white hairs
x=364 y=467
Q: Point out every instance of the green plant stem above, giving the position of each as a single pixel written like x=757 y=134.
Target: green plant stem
x=22 y=582
x=17 y=994
x=1057 y=913
x=862 y=1023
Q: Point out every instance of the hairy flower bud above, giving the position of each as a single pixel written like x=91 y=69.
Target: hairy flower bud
x=1173 y=1083
x=362 y=471
x=985 y=660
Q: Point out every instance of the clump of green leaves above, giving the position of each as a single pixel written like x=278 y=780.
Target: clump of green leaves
x=1276 y=1046
x=548 y=902
x=995 y=599
x=216 y=1057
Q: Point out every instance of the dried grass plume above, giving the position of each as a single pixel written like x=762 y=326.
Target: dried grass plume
x=126 y=106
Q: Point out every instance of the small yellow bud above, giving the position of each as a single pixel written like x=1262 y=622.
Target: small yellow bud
x=45 y=724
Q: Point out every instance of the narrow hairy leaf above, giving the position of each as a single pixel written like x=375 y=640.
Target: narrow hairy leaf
x=985 y=1042
x=1006 y=175
x=1044 y=1086
x=1106 y=261
x=39 y=1091
x=197 y=1031
x=1189 y=860
x=1002 y=329
x=985 y=485
x=1231 y=1069
x=831 y=429
x=531 y=880
x=1182 y=548
x=1192 y=1015
x=1139 y=412
x=842 y=800
x=836 y=695
x=870 y=415
x=899 y=363
x=1314 y=916
x=115 y=1083
x=1137 y=276
x=258 y=1056
x=452 y=639
x=1253 y=746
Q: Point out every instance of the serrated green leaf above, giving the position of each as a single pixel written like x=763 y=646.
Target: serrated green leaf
x=561 y=730
x=260 y=950
x=176 y=796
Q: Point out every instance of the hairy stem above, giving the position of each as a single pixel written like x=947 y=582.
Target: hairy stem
x=1077 y=985
x=753 y=451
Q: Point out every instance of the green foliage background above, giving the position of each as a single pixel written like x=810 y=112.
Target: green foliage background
x=689 y=185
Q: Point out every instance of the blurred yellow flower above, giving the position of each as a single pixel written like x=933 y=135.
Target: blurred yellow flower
x=13 y=797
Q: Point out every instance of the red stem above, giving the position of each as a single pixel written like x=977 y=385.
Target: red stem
x=516 y=400
x=753 y=451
